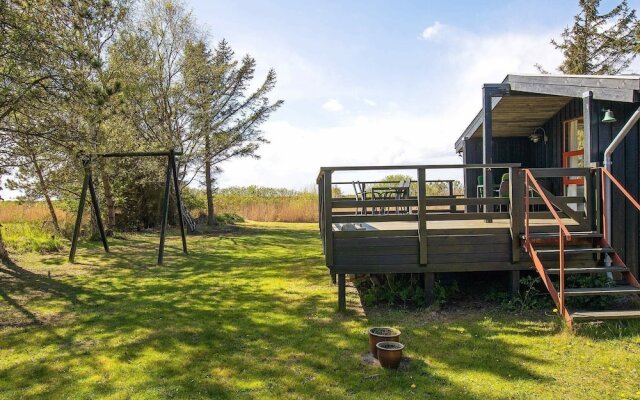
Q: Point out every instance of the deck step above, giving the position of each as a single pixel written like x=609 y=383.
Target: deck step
x=597 y=315
x=578 y=250
x=588 y=270
x=605 y=291
x=554 y=235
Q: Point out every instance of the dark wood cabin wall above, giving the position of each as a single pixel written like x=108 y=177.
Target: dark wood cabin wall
x=625 y=219
x=505 y=150
x=625 y=235
x=552 y=151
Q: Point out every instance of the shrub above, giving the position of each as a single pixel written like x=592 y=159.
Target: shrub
x=529 y=297
x=229 y=218
x=31 y=237
x=590 y=281
x=405 y=290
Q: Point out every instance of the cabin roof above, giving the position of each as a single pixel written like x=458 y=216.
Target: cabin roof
x=538 y=97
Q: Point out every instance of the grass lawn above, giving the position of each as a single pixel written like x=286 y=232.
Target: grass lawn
x=252 y=314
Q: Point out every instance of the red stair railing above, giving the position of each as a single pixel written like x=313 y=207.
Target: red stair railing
x=563 y=233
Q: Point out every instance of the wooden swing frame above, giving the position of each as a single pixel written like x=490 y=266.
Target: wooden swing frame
x=172 y=171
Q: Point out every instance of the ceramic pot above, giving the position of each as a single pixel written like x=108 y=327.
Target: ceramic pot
x=382 y=334
x=390 y=354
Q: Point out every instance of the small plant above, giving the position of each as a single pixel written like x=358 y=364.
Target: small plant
x=590 y=281
x=529 y=296
x=443 y=294
x=404 y=290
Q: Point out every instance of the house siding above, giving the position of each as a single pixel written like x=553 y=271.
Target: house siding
x=625 y=237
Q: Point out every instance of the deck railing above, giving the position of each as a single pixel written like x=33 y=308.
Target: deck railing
x=419 y=208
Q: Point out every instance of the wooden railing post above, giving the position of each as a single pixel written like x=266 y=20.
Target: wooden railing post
x=516 y=209
x=422 y=215
x=487 y=183
x=598 y=188
x=561 y=261
x=590 y=195
x=328 y=223
x=321 y=210
x=320 y=205
x=452 y=208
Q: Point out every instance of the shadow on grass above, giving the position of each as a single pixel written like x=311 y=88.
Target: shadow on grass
x=21 y=280
x=246 y=314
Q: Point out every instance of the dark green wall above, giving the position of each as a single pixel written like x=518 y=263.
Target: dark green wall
x=625 y=235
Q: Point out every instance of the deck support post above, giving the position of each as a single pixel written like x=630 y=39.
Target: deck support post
x=342 y=293
x=429 y=281
x=514 y=283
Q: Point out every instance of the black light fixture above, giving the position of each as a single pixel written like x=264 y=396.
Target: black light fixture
x=538 y=133
x=608 y=117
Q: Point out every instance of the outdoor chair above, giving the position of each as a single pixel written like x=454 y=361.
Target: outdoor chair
x=403 y=194
x=360 y=194
x=503 y=191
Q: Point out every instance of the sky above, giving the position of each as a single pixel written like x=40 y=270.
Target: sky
x=377 y=82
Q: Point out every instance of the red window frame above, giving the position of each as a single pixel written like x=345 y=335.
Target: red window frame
x=566 y=155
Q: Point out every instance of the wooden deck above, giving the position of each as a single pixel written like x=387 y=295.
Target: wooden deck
x=428 y=235
x=540 y=225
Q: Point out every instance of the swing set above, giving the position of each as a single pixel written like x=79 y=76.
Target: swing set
x=172 y=171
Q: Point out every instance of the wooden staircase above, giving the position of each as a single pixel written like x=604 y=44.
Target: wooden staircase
x=579 y=252
x=584 y=254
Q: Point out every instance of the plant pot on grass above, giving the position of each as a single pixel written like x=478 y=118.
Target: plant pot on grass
x=390 y=354
x=382 y=334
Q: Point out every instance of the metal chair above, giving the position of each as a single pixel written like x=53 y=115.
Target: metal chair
x=360 y=194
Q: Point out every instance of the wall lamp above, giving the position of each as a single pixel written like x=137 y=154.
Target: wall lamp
x=608 y=117
x=538 y=133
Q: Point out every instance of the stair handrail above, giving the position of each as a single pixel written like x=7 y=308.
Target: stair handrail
x=607 y=173
x=563 y=232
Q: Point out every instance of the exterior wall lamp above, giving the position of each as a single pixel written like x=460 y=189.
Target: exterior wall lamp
x=608 y=117
x=538 y=133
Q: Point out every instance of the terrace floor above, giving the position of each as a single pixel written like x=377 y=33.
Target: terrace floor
x=453 y=225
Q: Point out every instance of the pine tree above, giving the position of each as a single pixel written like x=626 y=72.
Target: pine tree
x=225 y=115
x=599 y=43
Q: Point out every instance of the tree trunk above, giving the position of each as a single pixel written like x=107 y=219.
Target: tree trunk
x=208 y=177
x=109 y=202
x=95 y=232
x=45 y=193
x=4 y=255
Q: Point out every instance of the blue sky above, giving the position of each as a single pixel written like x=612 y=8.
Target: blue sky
x=374 y=82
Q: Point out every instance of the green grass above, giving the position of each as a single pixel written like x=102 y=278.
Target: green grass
x=252 y=314
x=31 y=237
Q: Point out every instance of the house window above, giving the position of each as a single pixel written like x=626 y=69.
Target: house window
x=573 y=155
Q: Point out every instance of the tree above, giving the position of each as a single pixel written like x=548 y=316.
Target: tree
x=51 y=54
x=225 y=115
x=599 y=44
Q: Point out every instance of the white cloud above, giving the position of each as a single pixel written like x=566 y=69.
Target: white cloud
x=295 y=154
x=333 y=105
x=370 y=102
x=432 y=31
x=488 y=59
x=389 y=134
